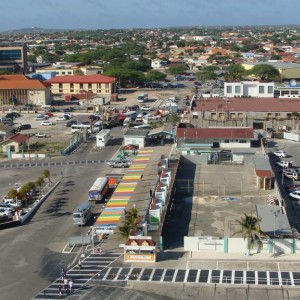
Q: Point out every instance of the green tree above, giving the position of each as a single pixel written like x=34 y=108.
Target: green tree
x=46 y=174
x=40 y=181
x=13 y=193
x=156 y=76
x=234 y=73
x=265 y=72
x=173 y=118
x=250 y=231
x=275 y=57
x=124 y=232
x=177 y=70
x=207 y=73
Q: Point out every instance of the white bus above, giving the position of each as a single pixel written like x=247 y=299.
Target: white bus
x=98 y=189
x=80 y=127
x=82 y=214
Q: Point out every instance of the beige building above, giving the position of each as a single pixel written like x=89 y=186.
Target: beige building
x=19 y=90
x=287 y=70
x=71 y=69
x=82 y=84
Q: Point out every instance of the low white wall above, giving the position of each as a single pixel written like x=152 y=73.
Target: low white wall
x=32 y=155
x=238 y=245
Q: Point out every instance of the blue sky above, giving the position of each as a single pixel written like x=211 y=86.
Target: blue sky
x=100 y=14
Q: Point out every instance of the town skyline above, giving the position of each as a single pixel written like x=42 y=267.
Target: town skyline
x=117 y=14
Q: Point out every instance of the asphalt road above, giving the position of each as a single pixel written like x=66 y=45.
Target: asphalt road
x=32 y=254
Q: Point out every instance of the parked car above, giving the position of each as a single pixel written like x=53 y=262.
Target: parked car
x=295 y=195
x=8 y=207
x=24 y=126
x=47 y=123
x=145 y=108
x=119 y=164
x=40 y=135
x=280 y=153
x=6 y=213
x=284 y=164
x=12 y=203
x=41 y=117
x=70 y=123
x=49 y=114
x=61 y=118
x=291 y=174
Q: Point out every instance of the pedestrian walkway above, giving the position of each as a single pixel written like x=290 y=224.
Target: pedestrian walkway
x=49 y=163
x=270 y=278
x=91 y=266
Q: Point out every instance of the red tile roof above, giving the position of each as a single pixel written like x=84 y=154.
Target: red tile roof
x=222 y=132
x=19 y=82
x=264 y=173
x=248 y=104
x=19 y=138
x=82 y=79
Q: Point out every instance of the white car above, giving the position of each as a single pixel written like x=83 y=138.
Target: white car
x=7 y=198
x=47 y=123
x=145 y=108
x=41 y=117
x=284 y=164
x=40 y=135
x=61 y=118
x=295 y=195
x=5 y=213
x=280 y=153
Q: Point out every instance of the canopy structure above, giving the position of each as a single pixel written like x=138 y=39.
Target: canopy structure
x=115 y=207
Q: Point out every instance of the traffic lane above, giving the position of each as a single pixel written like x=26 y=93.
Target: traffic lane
x=30 y=250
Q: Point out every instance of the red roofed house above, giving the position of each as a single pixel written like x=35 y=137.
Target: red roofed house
x=18 y=89
x=83 y=86
x=14 y=144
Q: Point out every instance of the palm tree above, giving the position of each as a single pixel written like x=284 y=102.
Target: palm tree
x=132 y=219
x=124 y=232
x=250 y=230
x=40 y=181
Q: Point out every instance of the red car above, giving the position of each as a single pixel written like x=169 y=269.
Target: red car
x=49 y=114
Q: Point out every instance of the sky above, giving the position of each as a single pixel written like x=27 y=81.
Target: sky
x=100 y=14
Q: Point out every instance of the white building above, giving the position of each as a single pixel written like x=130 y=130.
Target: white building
x=254 y=89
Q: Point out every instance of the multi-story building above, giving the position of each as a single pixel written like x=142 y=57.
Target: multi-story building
x=84 y=85
x=14 y=58
x=249 y=89
x=257 y=113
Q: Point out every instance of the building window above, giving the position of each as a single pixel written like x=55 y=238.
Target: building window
x=243 y=141
x=213 y=116
x=89 y=86
x=60 y=87
x=237 y=89
x=277 y=115
x=229 y=89
x=71 y=87
x=81 y=86
x=261 y=89
x=270 y=89
x=226 y=141
x=63 y=73
x=294 y=92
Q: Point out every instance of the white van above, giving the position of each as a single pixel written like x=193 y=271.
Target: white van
x=152 y=119
x=146 y=126
x=45 y=107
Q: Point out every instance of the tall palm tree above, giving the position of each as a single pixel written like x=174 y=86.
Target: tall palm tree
x=250 y=231
x=132 y=219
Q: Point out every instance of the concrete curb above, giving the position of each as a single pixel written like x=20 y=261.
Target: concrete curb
x=37 y=205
